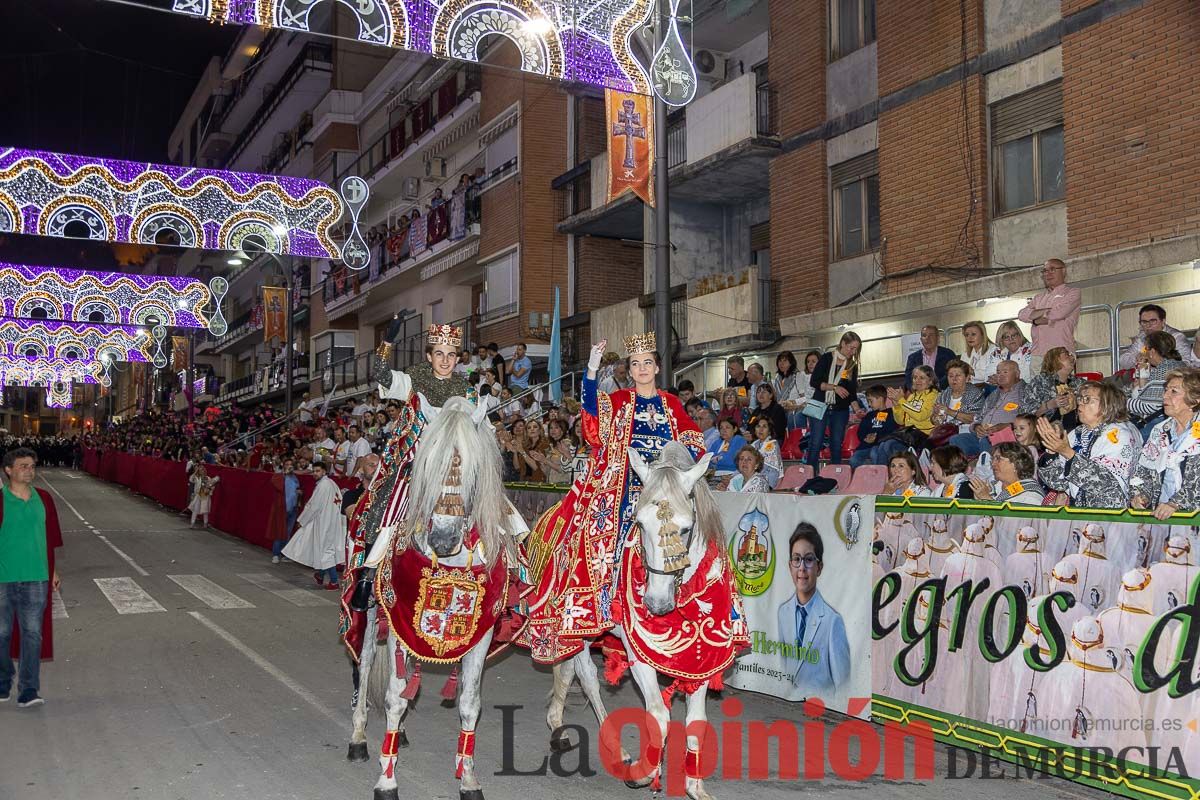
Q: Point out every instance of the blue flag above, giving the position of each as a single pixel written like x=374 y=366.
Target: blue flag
x=555 y=356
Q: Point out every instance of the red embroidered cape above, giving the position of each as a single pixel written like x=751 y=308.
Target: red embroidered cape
x=438 y=612
x=53 y=541
x=697 y=640
x=570 y=551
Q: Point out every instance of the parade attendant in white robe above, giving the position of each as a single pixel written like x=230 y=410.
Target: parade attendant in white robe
x=1126 y=625
x=940 y=544
x=1172 y=577
x=202 y=492
x=913 y=572
x=947 y=688
x=1064 y=577
x=1028 y=567
x=320 y=541
x=1014 y=692
x=1150 y=542
x=972 y=564
x=1098 y=579
x=1088 y=692
x=894 y=532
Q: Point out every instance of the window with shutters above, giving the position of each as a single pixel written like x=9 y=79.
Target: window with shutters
x=502 y=295
x=855 y=205
x=851 y=26
x=1027 y=149
x=760 y=247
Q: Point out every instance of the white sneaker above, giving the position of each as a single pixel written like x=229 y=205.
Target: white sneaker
x=274 y=559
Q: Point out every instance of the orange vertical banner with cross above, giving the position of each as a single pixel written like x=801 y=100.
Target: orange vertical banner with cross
x=274 y=313
x=630 y=145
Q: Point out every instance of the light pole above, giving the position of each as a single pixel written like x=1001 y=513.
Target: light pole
x=662 y=213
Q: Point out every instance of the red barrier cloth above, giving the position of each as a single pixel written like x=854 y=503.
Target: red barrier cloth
x=241 y=503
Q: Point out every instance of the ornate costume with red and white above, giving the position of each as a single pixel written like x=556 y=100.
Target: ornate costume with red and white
x=572 y=551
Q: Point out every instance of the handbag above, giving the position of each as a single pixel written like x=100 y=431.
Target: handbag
x=942 y=434
x=815 y=408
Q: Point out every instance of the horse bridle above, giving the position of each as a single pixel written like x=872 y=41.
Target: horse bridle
x=677 y=574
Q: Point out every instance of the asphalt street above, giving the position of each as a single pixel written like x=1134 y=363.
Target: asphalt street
x=188 y=666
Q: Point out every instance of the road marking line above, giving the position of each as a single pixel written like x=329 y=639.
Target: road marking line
x=60 y=608
x=127 y=597
x=269 y=668
x=122 y=554
x=92 y=528
x=280 y=588
x=209 y=593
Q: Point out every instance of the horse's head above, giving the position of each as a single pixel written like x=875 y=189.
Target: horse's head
x=674 y=505
x=455 y=483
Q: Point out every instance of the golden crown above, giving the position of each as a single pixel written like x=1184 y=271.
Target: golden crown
x=445 y=334
x=641 y=343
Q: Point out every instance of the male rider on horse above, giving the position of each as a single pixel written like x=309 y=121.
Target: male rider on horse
x=423 y=389
x=583 y=534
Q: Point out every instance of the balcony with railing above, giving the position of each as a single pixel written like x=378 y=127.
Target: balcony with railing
x=718 y=150
x=265 y=383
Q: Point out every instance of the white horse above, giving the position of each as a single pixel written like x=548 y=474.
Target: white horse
x=455 y=490
x=676 y=508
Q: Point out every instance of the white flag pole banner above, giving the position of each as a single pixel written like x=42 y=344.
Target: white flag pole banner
x=820 y=648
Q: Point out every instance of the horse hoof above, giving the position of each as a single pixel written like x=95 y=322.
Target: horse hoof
x=470 y=794
x=357 y=752
x=387 y=794
x=561 y=744
x=403 y=739
x=448 y=702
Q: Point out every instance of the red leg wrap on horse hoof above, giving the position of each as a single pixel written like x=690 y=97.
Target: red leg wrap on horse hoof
x=391 y=743
x=691 y=765
x=466 y=749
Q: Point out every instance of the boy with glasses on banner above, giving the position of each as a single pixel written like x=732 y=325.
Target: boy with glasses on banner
x=816 y=652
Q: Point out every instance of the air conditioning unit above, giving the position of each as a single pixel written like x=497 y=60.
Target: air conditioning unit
x=435 y=167
x=710 y=65
x=411 y=189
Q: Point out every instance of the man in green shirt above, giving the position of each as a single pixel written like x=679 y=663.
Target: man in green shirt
x=29 y=533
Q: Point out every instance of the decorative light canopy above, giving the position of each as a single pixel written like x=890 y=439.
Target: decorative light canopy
x=21 y=371
x=587 y=41
x=60 y=395
x=54 y=194
x=83 y=341
x=110 y=298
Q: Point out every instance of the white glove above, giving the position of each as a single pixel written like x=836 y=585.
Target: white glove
x=596 y=354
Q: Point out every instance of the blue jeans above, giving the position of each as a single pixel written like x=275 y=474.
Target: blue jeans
x=278 y=545
x=797 y=419
x=970 y=444
x=27 y=601
x=835 y=421
x=877 y=454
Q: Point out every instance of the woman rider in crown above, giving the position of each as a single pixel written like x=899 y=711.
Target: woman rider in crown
x=572 y=552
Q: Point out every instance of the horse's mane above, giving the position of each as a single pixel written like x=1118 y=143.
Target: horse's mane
x=666 y=482
x=454 y=431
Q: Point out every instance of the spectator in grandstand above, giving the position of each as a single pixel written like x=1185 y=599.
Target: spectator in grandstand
x=359 y=448
x=1025 y=432
x=792 y=388
x=1053 y=313
x=1016 y=348
x=749 y=477
x=731 y=443
x=739 y=381
x=323 y=446
x=982 y=355
x=706 y=418
x=905 y=476
x=913 y=411
x=497 y=363
x=994 y=422
x=932 y=355
x=522 y=369
x=1013 y=468
x=1167 y=476
x=731 y=408
x=769 y=410
x=757 y=378
x=306 y=408
x=536 y=450
x=617 y=378
x=1153 y=319
x=961 y=400
x=693 y=408
x=948 y=467
x=685 y=391
x=1051 y=393
x=768 y=447
x=341 y=452
x=560 y=458
x=1096 y=460
x=835 y=383
x=876 y=425
x=1160 y=359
